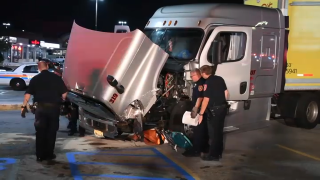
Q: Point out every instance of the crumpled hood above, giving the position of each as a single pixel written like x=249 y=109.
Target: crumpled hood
x=131 y=58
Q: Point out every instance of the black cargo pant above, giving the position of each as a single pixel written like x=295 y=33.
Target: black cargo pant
x=46 y=125
x=73 y=119
x=200 y=136
x=215 y=119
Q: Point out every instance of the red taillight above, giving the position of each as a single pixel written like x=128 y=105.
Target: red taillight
x=251 y=86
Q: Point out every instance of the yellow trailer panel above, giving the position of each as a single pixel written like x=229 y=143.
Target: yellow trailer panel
x=304 y=44
x=303 y=56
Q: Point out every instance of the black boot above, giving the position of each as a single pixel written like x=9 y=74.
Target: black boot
x=210 y=158
x=51 y=157
x=191 y=153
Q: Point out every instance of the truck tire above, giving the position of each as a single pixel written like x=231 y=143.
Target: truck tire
x=175 y=122
x=18 y=84
x=307 y=112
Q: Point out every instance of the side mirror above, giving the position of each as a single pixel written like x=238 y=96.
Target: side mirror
x=216 y=52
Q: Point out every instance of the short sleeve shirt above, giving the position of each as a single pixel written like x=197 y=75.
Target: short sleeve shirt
x=47 y=87
x=197 y=91
x=214 y=89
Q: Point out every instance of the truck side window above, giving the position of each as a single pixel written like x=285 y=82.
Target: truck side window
x=233 y=46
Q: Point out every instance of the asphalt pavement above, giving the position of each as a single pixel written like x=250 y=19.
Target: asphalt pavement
x=276 y=152
x=10 y=99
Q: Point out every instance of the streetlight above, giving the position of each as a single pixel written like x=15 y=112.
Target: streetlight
x=122 y=22
x=96 y=25
x=6 y=24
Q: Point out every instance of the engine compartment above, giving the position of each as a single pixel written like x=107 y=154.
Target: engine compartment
x=172 y=102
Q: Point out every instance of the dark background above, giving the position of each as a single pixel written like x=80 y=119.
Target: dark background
x=53 y=18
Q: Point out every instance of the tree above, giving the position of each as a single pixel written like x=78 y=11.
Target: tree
x=5 y=45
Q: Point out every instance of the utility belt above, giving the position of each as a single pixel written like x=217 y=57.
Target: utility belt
x=217 y=109
x=48 y=105
x=35 y=105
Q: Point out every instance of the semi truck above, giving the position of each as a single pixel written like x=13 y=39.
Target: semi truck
x=124 y=82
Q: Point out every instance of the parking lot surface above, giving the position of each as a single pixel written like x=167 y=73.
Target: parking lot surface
x=10 y=97
x=274 y=152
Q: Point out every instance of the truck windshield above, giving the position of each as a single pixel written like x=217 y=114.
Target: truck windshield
x=180 y=43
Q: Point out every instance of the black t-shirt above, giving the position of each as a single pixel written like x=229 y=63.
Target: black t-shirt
x=47 y=87
x=197 y=91
x=214 y=89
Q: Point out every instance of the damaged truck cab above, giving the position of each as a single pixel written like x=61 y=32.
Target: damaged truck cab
x=123 y=82
x=243 y=43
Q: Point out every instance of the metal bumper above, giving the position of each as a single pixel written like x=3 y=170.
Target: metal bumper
x=91 y=123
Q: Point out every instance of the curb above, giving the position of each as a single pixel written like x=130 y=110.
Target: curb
x=6 y=107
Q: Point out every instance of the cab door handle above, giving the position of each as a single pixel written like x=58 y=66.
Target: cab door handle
x=243 y=87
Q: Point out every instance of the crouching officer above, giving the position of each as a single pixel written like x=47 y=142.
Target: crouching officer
x=49 y=91
x=200 y=135
x=215 y=104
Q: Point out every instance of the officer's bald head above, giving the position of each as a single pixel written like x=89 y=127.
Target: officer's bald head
x=195 y=75
x=42 y=65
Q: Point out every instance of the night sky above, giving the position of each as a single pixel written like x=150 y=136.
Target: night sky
x=53 y=18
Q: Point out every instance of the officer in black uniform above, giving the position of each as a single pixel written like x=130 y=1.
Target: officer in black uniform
x=200 y=136
x=49 y=92
x=73 y=120
x=215 y=104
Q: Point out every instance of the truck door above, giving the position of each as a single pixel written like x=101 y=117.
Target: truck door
x=236 y=61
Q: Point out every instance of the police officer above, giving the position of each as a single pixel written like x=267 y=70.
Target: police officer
x=49 y=91
x=215 y=104
x=73 y=120
x=200 y=136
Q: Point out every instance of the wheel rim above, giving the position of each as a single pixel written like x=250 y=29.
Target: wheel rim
x=312 y=112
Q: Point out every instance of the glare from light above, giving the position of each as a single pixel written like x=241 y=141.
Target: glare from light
x=122 y=22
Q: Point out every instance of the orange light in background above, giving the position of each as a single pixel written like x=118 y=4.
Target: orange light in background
x=19 y=48
x=169 y=23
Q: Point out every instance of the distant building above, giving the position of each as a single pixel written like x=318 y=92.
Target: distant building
x=28 y=47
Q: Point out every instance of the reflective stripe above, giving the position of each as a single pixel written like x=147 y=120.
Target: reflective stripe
x=303 y=81
x=296 y=88
x=10 y=76
x=305 y=75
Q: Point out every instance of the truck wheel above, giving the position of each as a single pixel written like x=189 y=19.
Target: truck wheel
x=307 y=114
x=175 y=122
x=18 y=84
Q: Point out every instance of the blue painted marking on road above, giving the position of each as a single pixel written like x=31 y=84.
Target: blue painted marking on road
x=78 y=176
x=111 y=154
x=126 y=177
x=180 y=169
x=119 y=164
x=7 y=162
